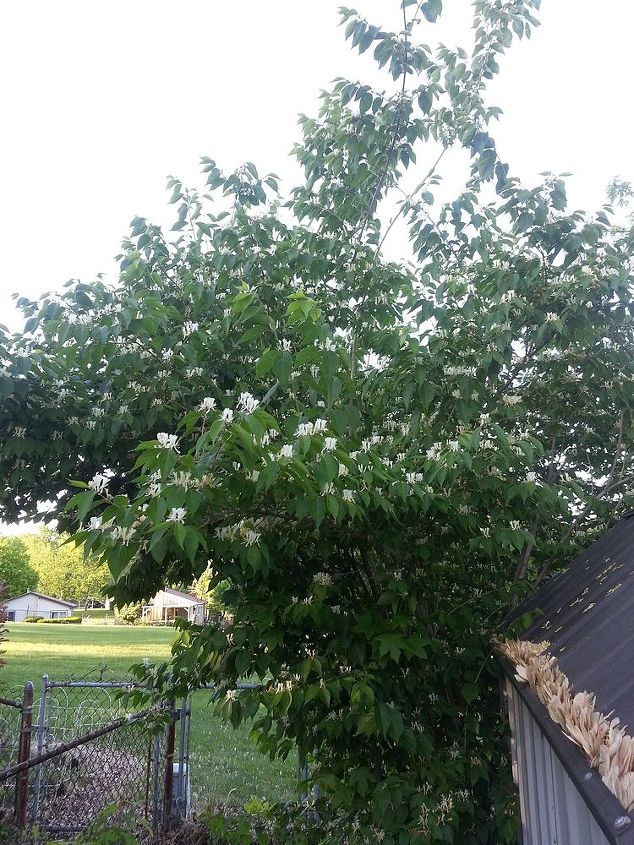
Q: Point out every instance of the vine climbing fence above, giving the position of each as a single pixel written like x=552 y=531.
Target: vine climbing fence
x=85 y=744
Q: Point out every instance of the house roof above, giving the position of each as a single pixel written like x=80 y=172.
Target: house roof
x=586 y=613
x=181 y=595
x=41 y=596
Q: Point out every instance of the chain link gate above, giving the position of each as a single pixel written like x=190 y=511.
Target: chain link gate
x=88 y=749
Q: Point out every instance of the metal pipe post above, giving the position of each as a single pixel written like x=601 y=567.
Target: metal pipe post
x=182 y=800
x=41 y=733
x=169 y=770
x=24 y=753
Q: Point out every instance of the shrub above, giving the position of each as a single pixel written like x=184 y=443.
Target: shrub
x=128 y=614
x=64 y=620
x=33 y=618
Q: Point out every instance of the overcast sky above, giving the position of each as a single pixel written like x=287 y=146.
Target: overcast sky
x=102 y=100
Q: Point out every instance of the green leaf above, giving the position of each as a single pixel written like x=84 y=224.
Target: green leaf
x=469 y=692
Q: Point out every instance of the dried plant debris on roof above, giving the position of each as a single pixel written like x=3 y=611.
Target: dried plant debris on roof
x=607 y=747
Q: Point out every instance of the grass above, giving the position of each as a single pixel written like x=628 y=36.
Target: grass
x=225 y=765
x=97 y=615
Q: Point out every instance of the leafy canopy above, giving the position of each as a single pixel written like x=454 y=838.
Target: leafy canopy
x=16 y=572
x=374 y=455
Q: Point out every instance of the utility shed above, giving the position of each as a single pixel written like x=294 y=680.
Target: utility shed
x=574 y=765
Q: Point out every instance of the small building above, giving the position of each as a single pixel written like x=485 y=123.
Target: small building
x=168 y=605
x=18 y=608
x=568 y=684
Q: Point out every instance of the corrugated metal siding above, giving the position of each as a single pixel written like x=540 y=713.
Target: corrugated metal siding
x=553 y=810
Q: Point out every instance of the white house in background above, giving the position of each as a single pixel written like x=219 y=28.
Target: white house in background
x=36 y=604
x=168 y=605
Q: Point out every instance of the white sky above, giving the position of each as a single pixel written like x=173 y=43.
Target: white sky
x=102 y=100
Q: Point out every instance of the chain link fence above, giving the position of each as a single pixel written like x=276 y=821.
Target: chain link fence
x=93 y=744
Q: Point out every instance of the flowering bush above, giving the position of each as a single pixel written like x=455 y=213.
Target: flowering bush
x=376 y=456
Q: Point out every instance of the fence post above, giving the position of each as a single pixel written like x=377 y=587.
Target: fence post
x=24 y=753
x=303 y=776
x=41 y=732
x=156 y=757
x=169 y=769
x=180 y=789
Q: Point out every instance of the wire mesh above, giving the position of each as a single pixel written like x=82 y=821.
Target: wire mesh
x=119 y=767
x=10 y=720
x=91 y=746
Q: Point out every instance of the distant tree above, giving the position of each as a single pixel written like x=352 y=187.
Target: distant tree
x=61 y=568
x=15 y=568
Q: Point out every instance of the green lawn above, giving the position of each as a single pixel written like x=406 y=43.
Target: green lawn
x=224 y=763
x=96 y=615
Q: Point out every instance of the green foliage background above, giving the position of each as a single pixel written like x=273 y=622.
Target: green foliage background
x=15 y=568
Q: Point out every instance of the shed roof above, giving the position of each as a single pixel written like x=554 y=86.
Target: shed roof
x=181 y=595
x=41 y=596
x=586 y=613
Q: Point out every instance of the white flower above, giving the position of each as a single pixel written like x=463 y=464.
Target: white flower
x=227 y=415
x=322 y=578
x=167 y=441
x=348 y=496
x=551 y=317
x=511 y=400
x=456 y=394
x=167 y=354
x=95 y=523
x=319 y=426
x=208 y=404
x=330 y=444
x=189 y=328
x=286 y=451
x=515 y=525
x=454 y=446
x=98 y=412
x=285 y=345
x=328 y=345
x=252 y=538
x=343 y=470
x=193 y=371
x=177 y=515
x=123 y=409
x=99 y=483
x=123 y=534
x=182 y=479
x=531 y=476
x=328 y=487
x=248 y=402
x=253 y=475
x=19 y=431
